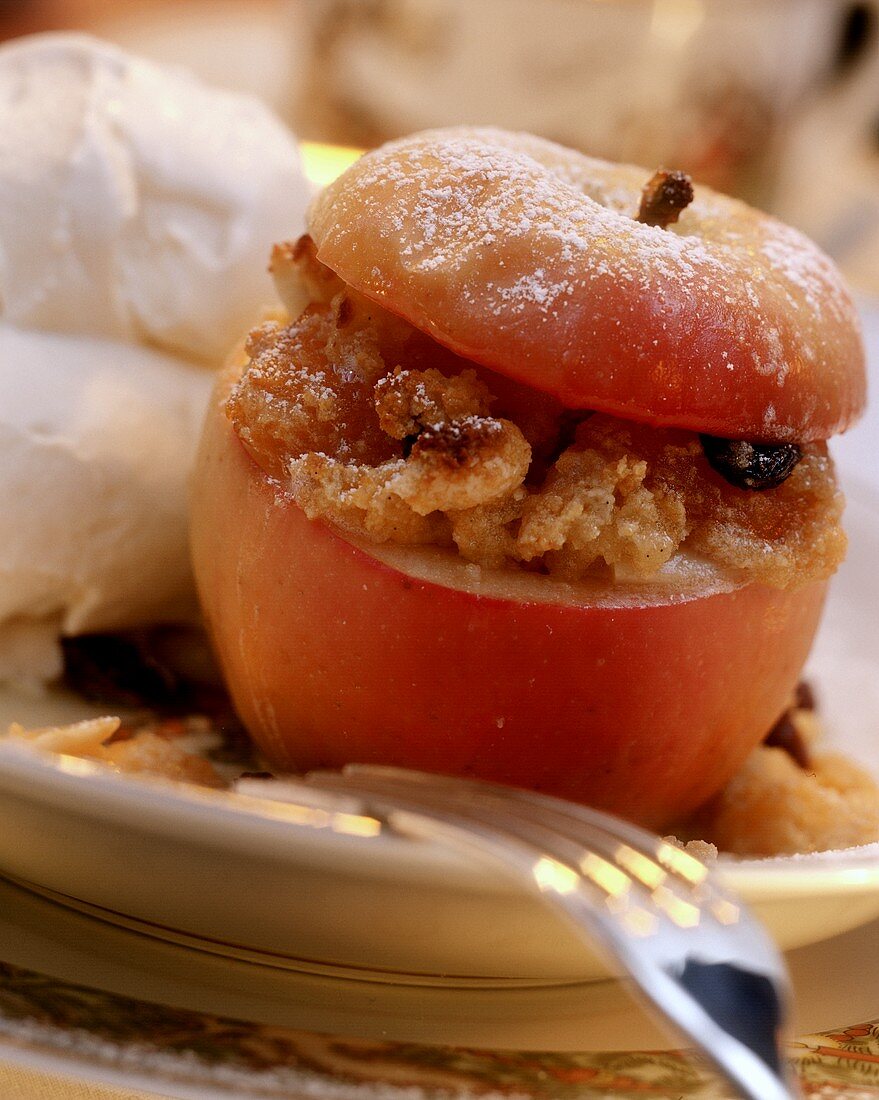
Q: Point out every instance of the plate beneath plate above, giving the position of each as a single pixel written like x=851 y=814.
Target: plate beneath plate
x=834 y=983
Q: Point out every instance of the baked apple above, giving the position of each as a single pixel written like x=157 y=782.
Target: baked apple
x=531 y=482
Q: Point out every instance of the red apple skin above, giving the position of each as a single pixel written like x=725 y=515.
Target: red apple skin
x=728 y=322
x=333 y=657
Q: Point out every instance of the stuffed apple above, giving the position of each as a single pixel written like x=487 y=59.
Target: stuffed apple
x=531 y=482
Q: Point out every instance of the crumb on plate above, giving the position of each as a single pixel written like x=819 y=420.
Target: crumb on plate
x=774 y=807
x=786 y=799
x=150 y=749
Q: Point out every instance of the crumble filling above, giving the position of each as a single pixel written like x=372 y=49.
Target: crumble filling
x=371 y=425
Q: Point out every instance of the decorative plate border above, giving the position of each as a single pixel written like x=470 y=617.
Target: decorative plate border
x=90 y=1032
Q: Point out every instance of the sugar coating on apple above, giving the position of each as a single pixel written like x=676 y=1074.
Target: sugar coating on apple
x=527 y=257
x=525 y=487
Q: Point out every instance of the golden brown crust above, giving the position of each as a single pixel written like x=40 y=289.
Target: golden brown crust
x=774 y=807
x=418 y=456
x=302 y=395
x=359 y=499
x=409 y=401
x=597 y=504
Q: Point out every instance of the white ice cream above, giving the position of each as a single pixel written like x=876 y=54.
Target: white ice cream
x=96 y=440
x=137 y=211
x=136 y=202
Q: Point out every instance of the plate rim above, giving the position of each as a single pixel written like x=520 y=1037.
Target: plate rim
x=217 y=817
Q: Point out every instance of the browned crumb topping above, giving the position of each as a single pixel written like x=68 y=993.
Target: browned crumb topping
x=604 y=500
x=157 y=749
x=310 y=390
x=774 y=807
x=152 y=753
x=699 y=849
x=381 y=431
x=784 y=803
x=408 y=402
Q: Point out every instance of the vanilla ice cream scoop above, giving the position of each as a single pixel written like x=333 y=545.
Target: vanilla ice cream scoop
x=94 y=459
x=135 y=202
x=137 y=212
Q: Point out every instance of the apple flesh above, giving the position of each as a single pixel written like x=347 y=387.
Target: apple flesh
x=334 y=654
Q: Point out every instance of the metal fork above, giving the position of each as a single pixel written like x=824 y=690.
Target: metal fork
x=692 y=950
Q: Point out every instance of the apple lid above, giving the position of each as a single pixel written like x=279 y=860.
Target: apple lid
x=527 y=257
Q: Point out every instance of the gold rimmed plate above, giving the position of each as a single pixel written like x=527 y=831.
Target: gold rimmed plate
x=335 y=890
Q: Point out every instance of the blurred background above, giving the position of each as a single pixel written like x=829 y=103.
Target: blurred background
x=776 y=101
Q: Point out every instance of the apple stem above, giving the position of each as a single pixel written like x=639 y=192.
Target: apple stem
x=663 y=197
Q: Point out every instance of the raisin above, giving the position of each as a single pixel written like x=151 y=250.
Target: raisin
x=754 y=466
x=785 y=735
x=138 y=670
x=119 y=670
x=408 y=442
x=805 y=696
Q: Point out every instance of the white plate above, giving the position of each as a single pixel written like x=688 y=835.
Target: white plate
x=252 y=879
x=256 y=876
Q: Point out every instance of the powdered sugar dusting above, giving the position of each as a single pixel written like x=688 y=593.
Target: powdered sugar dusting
x=520 y=236
x=471 y=193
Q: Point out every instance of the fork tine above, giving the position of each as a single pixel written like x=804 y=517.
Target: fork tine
x=703 y=900
x=686 y=900
x=651 y=858
x=710 y=996
x=652 y=861
x=607 y=876
x=616 y=871
x=555 y=855
x=675 y=862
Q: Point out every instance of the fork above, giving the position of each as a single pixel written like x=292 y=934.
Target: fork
x=690 y=948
